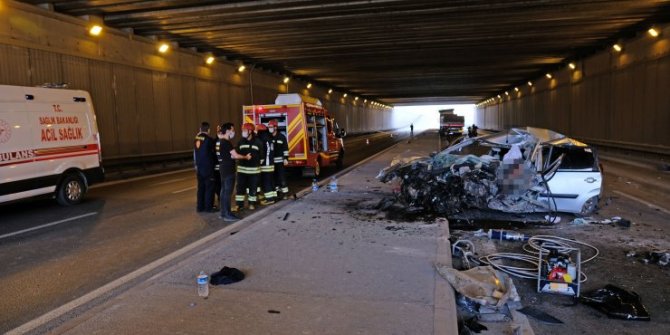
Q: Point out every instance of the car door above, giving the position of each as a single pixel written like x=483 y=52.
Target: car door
x=576 y=181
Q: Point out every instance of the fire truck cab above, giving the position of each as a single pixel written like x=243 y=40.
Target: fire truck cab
x=314 y=138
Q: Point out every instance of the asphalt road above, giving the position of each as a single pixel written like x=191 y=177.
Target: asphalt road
x=51 y=255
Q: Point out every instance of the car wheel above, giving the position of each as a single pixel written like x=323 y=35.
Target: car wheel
x=590 y=206
x=71 y=190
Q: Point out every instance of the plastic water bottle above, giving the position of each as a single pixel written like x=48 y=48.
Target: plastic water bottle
x=315 y=186
x=333 y=184
x=203 y=284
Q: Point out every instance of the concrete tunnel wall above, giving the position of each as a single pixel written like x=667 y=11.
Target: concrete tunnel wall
x=146 y=103
x=619 y=100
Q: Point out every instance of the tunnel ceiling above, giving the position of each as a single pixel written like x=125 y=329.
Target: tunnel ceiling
x=399 y=52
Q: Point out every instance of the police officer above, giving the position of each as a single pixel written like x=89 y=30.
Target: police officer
x=267 y=165
x=280 y=145
x=248 y=171
x=204 y=157
x=227 y=155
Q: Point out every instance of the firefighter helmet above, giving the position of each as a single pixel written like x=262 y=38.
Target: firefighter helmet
x=273 y=123
x=261 y=127
x=248 y=127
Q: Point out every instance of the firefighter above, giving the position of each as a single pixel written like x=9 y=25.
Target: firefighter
x=267 y=165
x=248 y=171
x=280 y=145
x=204 y=158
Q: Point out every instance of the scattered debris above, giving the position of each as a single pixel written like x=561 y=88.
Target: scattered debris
x=394 y=228
x=660 y=257
x=471 y=325
x=617 y=303
x=272 y=311
x=483 y=285
x=226 y=276
x=286 y=216
x=539 y=315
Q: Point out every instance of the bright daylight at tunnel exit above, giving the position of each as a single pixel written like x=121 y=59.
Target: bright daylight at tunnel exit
x=334 y=167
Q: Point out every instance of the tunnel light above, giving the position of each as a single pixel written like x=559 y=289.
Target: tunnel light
x=163 y=48
x=241 y=68
x=309 y=85
x=572 y=66
x=365 y=101
x=516 y=89
x=210 y=60
x=617 y=47
x=530 y=83
x=330 y=91
x=344 y=95
x=653 y=32
x=356 y=99
x=286 y=80
x=95 y=30
x=548 y=75
x=499 y=97
x=506 y=93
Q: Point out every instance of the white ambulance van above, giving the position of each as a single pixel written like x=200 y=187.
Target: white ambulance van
x=49 y=144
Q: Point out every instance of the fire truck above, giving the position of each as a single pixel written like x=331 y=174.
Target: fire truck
x=450 y=123
x=314 y=138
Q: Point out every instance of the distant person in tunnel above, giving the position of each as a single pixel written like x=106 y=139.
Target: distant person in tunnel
x=411 y=130
x=226 y=155
x=204 y=158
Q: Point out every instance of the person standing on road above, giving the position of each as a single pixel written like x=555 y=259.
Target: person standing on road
x=280 y=145
x=204 y=159
x=267 y=165
x=411 y=130
x=248 y=171
x=226 y=156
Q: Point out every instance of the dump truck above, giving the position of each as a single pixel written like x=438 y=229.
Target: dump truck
x=314 y=138
x=450 y=123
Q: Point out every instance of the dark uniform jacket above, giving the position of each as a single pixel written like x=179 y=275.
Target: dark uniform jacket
x=204 y=155
x=267 y=161
x=255 y=148
x=280 y=145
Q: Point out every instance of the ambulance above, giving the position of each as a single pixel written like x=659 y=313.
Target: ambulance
x=49 y=144
x=315 y=139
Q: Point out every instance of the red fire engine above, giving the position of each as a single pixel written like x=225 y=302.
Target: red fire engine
x=314 y=139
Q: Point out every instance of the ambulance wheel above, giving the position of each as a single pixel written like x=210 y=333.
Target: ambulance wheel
x=71 y=190
x=340 y=160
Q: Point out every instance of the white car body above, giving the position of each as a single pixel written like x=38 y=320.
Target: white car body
x=49 y=143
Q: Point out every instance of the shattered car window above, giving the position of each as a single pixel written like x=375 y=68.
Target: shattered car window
x=575 y=158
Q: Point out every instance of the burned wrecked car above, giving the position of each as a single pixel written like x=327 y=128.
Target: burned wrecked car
x=522 y=170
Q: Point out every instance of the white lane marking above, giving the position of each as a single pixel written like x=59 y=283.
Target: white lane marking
x=130 y=180
x=168 y=181
x=644 y=202
x=184 y=190
x=48 y=225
